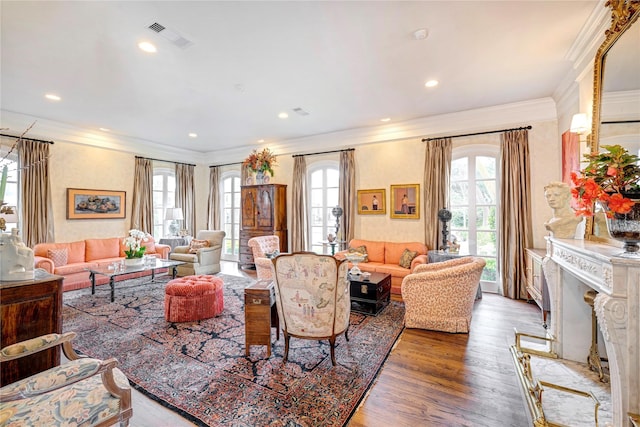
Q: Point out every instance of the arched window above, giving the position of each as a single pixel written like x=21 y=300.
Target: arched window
x=10 y=197
x=230 y=208
x=474 y=205
x=322 y=183
x=164 y=196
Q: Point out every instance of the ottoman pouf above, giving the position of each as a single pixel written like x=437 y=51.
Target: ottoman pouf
x=191 y=298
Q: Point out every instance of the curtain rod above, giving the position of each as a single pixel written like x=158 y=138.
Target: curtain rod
x=477 y=133
x=324 y=152
x=168 y=161
x=226 y=164
x=28 y=139
x=615 y=122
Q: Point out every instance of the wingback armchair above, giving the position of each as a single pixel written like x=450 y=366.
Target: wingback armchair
x=84 y=391
x=440 y=296
x=200 y=259
x=262 y=247
x=312 y=297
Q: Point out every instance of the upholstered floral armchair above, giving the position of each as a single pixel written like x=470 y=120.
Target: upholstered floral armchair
x=440 y=296
x=202 y=256
x=264 y=248
x=82 y=392
x=312 y=297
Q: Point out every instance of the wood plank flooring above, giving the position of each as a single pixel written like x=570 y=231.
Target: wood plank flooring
x=430 y=378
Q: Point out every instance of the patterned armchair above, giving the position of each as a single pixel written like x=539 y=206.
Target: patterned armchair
x=312 y=297
x=84 y=391
x=260 y=247
x=200 y=260
x=440 y=296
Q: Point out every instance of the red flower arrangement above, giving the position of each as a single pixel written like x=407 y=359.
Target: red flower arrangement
x=260 y=161
x=609 y=177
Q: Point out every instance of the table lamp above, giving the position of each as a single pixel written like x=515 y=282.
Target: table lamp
x=174 y=215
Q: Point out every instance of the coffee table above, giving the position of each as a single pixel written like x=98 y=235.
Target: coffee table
x=104 y=270
x=370 y=296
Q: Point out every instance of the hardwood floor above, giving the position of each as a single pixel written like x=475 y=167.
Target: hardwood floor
x=430 y=378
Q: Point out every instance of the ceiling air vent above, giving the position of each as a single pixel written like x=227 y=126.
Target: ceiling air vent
x=300 y=111
x=171 y=35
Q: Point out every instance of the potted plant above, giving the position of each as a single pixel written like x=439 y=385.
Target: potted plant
x=260 y=162
x=135 y=251
x=611 y=179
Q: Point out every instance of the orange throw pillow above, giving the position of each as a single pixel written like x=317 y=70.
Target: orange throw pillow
x=197 y=244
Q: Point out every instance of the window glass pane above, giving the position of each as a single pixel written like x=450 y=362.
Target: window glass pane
x=226 y=184
x=227 y=199
x=485 y=167
x=316 y=217
x=490 y=272
x=316 y=179
x=459 y=218
x=171 y=184
x=459 y=194
x=486 y=241
x=157 y=201
x=459 y=169
x=332 y=197
x=486 y=217
x=236 y=216
x=486 y=192
x=317 y=234
x=236 y=184
x=316 y=197
x=158 y=183
x=171 y=200
x=333 y=178
x=462 y=238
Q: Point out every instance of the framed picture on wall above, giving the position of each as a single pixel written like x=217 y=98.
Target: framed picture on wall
x=405 y=201
x=95 y=204
x=372 y=202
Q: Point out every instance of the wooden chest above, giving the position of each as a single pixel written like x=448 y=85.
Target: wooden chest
x=260 y=315
x=370 y=296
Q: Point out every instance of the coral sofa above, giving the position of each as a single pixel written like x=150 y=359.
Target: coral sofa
x=384 y=257
x=87 y=253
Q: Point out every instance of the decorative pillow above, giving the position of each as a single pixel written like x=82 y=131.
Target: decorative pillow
x=406 y=258
x=58 y=256
x=361 y=250
x=197 y=244
x=273 y=254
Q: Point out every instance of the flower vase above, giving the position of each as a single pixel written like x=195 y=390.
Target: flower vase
x=259 y=177
x=133 y=262
x=626 y=228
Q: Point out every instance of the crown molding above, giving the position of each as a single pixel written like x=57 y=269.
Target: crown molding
x=507 y=115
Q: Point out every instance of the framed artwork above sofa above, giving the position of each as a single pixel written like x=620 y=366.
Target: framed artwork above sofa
x=405 y=201
x=372 y=202
x=95 y=204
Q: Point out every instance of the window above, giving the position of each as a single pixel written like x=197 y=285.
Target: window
x=474 y=204
x=11 y=190
x=164 y=196
x=230 y=205
x=323 y=180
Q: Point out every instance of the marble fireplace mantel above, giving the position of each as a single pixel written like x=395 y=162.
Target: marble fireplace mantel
x=575 y=266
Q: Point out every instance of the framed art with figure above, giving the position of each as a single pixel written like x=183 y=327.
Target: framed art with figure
x=95 y=204
x=405 y=201
x=372 y=202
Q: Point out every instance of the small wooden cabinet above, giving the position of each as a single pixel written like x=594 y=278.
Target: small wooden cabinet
x=28 y=309
x=536 y=283
x=260 y=315
x=264 y=213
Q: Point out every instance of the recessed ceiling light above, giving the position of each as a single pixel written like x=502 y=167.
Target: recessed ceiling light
x=52 y=97
x=147 y=47
x=104 y=129
x=386 y=119
x=193 y=135
x=283 y=115
x=431 y=83
x=420 y=34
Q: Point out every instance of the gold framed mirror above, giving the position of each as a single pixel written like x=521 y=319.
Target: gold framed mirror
x=616 y=93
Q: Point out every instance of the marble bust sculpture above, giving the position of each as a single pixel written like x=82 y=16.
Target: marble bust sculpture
x=564 y=221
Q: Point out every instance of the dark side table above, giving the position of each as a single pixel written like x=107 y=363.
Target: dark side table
x=439 y=256
x=370 y=296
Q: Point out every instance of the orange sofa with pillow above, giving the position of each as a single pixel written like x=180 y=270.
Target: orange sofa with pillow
x=71 y=260
x=384 y=257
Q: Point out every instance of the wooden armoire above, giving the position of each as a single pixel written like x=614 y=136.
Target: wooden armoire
x=264 y=213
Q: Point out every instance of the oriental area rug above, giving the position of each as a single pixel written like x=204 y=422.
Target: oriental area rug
x=199 y=369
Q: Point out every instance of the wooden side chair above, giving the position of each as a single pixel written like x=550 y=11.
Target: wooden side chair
x=84 y=391
x=312 y=297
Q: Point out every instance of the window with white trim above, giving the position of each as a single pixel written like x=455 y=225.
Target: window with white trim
x=474 y=205
x=230 y=208
x=164 y=196
x=10 y=197
x=323 y=179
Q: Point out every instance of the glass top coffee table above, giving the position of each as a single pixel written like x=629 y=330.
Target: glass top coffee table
x=118 y=270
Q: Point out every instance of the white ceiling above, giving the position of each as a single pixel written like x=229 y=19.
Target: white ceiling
x=348 y=64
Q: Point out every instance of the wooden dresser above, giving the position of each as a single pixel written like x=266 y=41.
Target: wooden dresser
x=28 y=309
x=264 y=213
